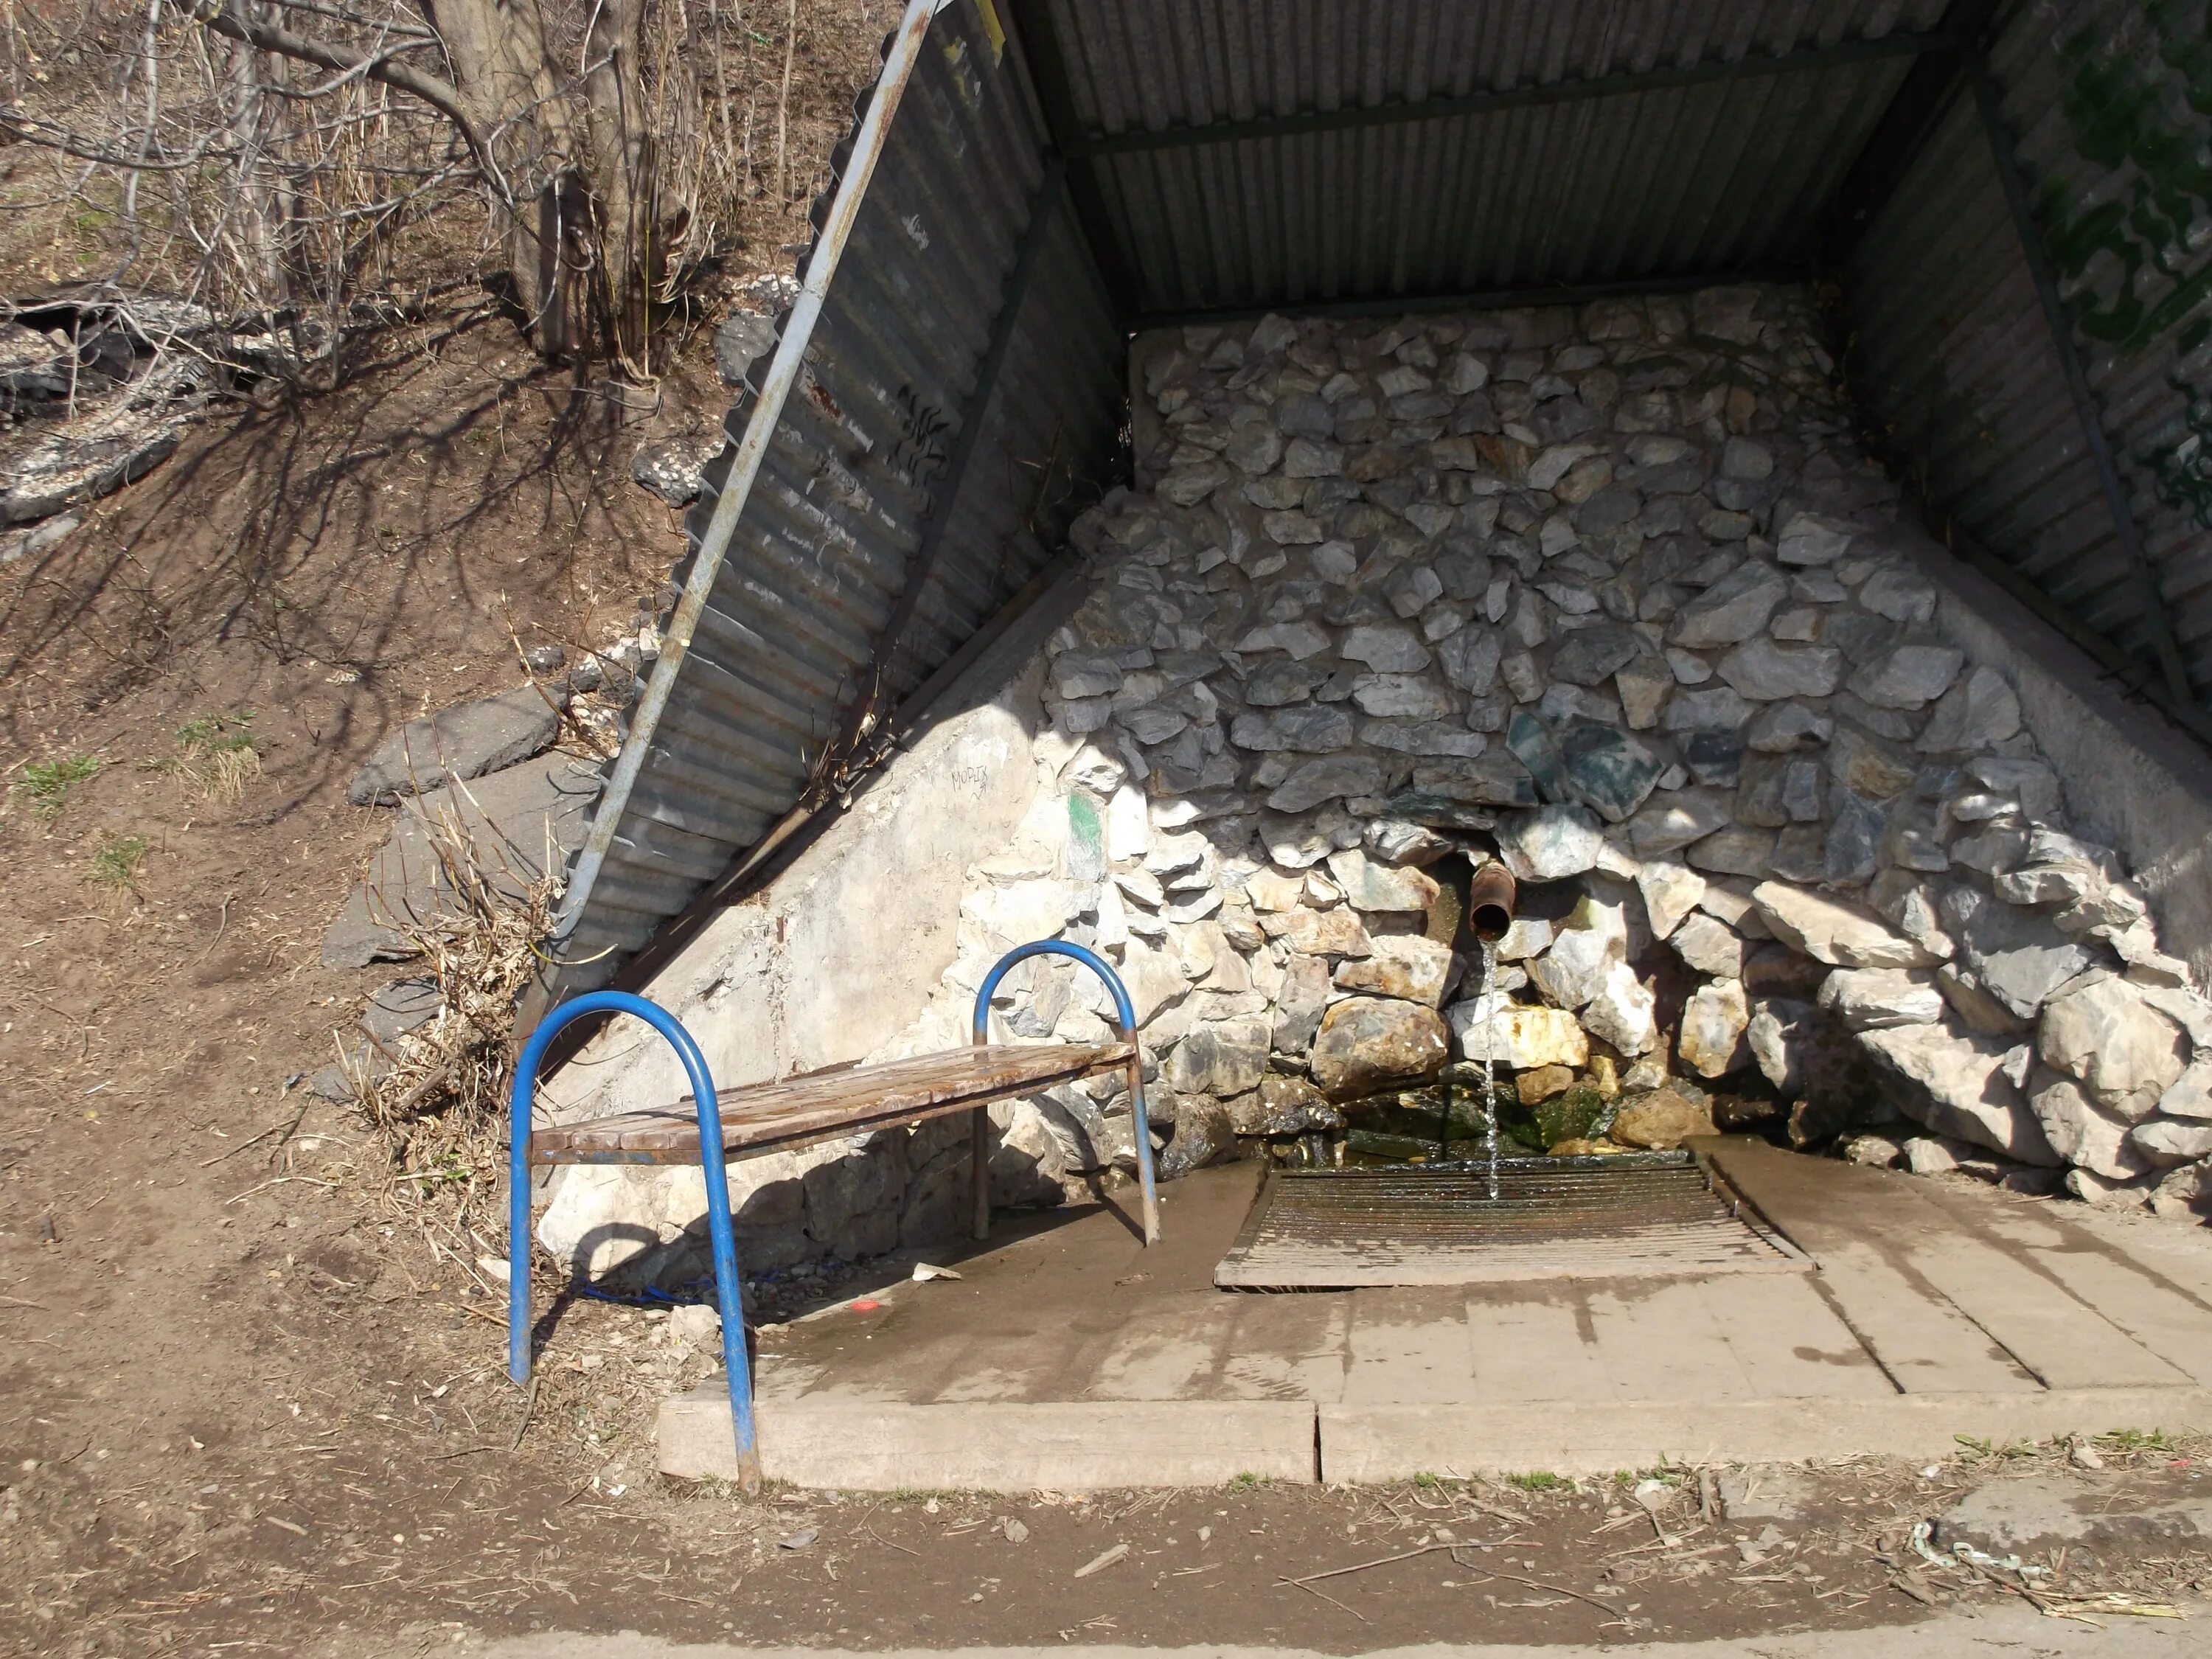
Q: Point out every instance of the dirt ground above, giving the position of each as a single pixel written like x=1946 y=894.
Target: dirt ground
x=246 y=1398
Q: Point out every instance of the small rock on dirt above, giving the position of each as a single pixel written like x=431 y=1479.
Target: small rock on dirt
x=1773 y=1493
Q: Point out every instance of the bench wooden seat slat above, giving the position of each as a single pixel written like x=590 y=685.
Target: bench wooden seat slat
x=776 y=1116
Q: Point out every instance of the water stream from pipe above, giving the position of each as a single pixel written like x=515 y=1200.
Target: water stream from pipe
x=1489 y=1050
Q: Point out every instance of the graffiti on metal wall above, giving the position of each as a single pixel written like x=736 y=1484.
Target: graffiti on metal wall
x=2141 y=261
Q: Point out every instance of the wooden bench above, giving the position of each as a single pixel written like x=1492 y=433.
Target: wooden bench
x=710 y=1129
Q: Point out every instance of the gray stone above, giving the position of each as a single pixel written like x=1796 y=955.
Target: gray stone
x=1284 y=1106
x=1549 y=844
x=1869 y=999
x=465 y=741
x=1281 y=680
x=1764 y=672
x=1810 y=539
x=1470 y=658
x=1401 y=696
x=1734 y=609
x=1311 y=782
x=1226 y=1057
x=1299 y=640
x=1535 y=747
x=1404 y=843
x=1299 y=1002
x=2015 y=955
x=1738 y=852
x=741 y=338
x=1908 y=677
x=671 y=469
x=1607 y=769
x=1589 y=656
x=517 y=812
x=1671 y=890
x=1367 y=1043
x=1386 y=648
x=1714 y=757
x=1311 y=729
x=1674 y=820
x=1900 y=594
x=1205 y=1133
x=1080 y=674
x=2125 y=1052
x=1974 y=716
x=1787 y=726
x=1714 y=708
x=1959 y=1086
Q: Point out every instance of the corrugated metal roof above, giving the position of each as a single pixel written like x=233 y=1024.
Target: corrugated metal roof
x=1728 y=175
x=1243 y=154
x=1955 y=353
x=823 y=543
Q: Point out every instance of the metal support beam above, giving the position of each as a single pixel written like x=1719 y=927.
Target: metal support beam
x=2060 y=326
x=1845 y=54
x=1486 y=299
x=1040 y=49
x=1903 y=127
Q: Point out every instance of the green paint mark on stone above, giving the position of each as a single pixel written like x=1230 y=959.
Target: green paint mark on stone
x=1086 y=840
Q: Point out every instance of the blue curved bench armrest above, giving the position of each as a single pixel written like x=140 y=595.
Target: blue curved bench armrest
x=1125 y=1017
x=718 y=1203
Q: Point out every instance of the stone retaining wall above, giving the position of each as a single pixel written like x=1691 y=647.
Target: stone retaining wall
x=1614 y=596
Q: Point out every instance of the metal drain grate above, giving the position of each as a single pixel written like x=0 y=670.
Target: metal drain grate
x=1652 y=1215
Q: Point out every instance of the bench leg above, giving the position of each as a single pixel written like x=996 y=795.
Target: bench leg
x=979 y=1170
x=1143 y=1128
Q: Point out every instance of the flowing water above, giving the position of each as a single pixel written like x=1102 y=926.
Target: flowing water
x=1489 y=1050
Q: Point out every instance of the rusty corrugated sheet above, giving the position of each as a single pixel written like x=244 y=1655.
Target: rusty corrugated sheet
x=1954 y=356
x=823 y=540
x=1731 y=175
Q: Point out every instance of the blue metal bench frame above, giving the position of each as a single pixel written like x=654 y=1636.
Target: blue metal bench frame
x=715 y=1167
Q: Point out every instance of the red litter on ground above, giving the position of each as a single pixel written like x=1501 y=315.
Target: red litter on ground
x=865 y=1305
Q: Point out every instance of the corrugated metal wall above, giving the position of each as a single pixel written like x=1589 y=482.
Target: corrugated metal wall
x=827 y=535
x=1728 y=175
x=1954 y=356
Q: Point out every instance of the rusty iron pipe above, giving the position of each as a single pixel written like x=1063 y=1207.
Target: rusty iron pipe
x=1490 y=899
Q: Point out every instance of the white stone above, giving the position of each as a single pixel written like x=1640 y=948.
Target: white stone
x=1550 y=844
x=1521 y=1038
x=1671 y=890
x=1835 y=931
x=1402 y=696
x=2167 y=1141
x=1574 y=970
x=1128 y=825
x=1713 y=1024
x=1959 y=1086
x=1708 y=945
x=2082 y=1131
x=1624 y=1012
x=1527 y=936
x=1369 y=886
x=2126 y=1054
x=2191 y=1094
x=1867 y=999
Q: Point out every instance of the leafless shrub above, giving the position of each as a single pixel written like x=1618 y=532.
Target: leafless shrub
x=310 y=161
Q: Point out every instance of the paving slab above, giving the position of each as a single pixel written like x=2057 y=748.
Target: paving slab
x=1070 y=1356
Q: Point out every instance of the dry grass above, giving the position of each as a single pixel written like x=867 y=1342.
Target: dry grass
x=439 y=1103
